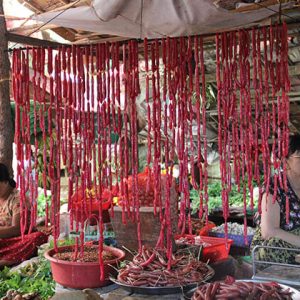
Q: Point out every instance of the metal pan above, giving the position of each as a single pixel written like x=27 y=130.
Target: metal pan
x=295 y=296
x=161 y=290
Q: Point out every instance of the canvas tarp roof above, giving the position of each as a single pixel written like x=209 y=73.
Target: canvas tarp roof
x=155 y=18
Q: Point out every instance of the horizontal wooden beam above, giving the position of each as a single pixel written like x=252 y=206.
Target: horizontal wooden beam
x=255 y=6
x=30 y=41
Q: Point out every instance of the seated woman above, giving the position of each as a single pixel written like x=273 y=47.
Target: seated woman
x=14 y=249
x=274 y=230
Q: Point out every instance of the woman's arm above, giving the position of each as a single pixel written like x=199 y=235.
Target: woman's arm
x=13 y=230
x=270 y=222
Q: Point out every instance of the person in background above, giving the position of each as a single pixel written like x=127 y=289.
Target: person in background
x=13 y=249
x=274 y=230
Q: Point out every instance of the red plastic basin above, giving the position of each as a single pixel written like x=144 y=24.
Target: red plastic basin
x=214 y=249
x=80 y=275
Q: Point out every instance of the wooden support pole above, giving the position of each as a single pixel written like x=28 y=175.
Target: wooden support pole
x=6 y=126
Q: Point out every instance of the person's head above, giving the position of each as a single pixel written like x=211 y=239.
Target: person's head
x=5 y=180
x=293 y=158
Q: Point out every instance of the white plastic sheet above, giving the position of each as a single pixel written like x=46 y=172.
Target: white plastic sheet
x=154 y=18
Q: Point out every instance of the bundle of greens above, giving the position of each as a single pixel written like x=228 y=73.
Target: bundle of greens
x=215 y=199
x=33 y=278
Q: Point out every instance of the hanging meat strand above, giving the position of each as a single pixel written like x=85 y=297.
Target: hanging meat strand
x=246 y=141
x=93 y=96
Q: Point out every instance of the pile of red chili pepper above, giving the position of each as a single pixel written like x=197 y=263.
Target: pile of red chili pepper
x=85 y=95
x=150 y=268
x=241 y=290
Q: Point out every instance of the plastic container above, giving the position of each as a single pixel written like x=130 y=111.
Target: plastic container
x=214 y=249
x=238 y=240
x=81 y=275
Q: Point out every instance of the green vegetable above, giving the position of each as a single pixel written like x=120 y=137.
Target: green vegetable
x=35 y=277
x=214 y=191
x=42 y=200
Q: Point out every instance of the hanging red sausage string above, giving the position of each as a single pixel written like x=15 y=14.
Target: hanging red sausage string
x=85 y=86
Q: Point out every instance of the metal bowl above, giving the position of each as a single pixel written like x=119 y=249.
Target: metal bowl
x=162 y=290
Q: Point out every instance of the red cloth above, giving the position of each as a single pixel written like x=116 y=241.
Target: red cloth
x=16 y=250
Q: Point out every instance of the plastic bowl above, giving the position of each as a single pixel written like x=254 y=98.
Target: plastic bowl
x=80 y=275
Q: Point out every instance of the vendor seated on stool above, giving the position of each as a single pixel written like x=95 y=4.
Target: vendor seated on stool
x=13 y=249
x=274 y=230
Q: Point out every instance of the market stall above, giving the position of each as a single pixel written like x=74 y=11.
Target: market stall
x=131 y=123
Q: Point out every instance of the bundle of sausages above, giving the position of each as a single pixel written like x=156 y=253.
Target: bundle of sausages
x=83 y=112
x=150 y=270
x=241 y=290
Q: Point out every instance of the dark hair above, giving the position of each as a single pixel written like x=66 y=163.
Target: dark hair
x=4 y=176
x=294 y=144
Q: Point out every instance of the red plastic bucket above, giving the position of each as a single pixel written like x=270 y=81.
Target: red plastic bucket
x=80 y=275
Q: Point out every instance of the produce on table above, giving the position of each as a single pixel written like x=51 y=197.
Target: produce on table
x=233 y=228
x=15 y=295
x=34 y=278
x=235 y=197
x=90 y=254
x=151 y=269
x=241 y=290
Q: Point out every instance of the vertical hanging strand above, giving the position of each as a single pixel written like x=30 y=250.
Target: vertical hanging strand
x=260 y=114
x=84 y=172
x=116 y=102
x=198 y=118
x=158 y=130
x=203 y=110
x=119 y=119
x=285 y=88
x=59 y=135
x=70 y=117
x=88 y=131
x=64 y=107
x=110 y=114
x=28 y=176
x=100 y=128
x=36 y=80
x=183 y=175
x=27 y=183
x=265 y=100
x=221 y=128
x=93 y=119
x=149 y=123
x=24 y=105
x=136 y=91
x=133 y=60
x=190 y=118
x=53 y=149
x=50 y=133
x=168 y=179
x=154 y=126
x=256 y=110
x=125 y=155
